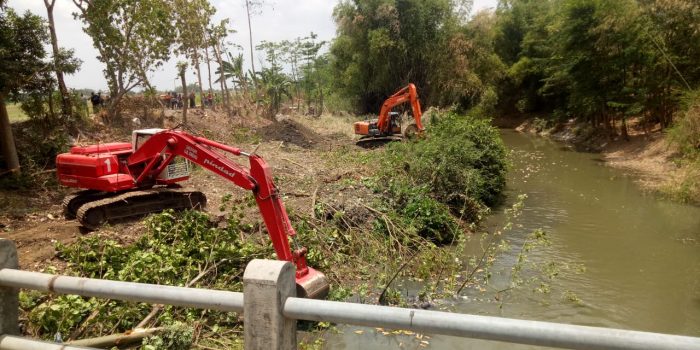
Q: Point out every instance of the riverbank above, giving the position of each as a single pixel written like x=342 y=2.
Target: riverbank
x=655 y=161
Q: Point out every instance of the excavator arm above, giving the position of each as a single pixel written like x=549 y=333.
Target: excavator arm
x=407 y=94
x=157 y=152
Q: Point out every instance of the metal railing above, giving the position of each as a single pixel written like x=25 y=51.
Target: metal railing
x=271 y=309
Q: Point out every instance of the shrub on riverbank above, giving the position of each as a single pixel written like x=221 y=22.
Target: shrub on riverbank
x=686 y=135
x=461 y=160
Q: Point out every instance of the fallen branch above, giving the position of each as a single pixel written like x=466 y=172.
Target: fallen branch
x=477 y=267
x=297 y=194
x=338 y=177
x=79 y=331
x=120 y=339
x=156 y=308
x=297 y=164
x=382 y=300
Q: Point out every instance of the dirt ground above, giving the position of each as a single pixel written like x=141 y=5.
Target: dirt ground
x=306 y=156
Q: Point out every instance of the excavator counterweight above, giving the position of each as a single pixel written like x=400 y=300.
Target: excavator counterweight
x=122 y=180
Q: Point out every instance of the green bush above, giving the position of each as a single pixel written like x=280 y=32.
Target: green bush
x=686 y=130
x=461 y=160
x=176 y=249
x=419 y=211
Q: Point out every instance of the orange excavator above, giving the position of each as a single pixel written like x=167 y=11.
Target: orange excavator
x=122 y=180
x=388 y=126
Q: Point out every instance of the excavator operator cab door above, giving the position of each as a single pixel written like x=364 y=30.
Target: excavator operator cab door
x=395 y=122
x=138 y=137
x=178 y=169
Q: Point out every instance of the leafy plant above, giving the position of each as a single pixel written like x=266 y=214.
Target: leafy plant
x=462 y=161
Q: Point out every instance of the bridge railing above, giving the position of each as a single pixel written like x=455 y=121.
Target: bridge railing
x=270 y=311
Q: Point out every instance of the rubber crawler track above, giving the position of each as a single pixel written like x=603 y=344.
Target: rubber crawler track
x=131 y=204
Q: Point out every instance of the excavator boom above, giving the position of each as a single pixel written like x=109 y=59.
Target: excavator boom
x=406 y=94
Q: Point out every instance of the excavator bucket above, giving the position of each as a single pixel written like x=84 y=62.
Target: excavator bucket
x=313 y=285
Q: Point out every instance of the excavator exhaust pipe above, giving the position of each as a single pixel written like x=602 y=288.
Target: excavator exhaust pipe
x=313 y=285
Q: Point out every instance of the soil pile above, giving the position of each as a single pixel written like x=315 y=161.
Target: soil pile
x=291 y=132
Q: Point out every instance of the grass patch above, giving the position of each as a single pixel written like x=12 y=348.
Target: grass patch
x=16 y=113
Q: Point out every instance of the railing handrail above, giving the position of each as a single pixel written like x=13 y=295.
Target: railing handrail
x=423 y=321
x=126 y=291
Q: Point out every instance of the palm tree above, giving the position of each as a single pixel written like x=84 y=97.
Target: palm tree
x=274 y=84
x=233 y=70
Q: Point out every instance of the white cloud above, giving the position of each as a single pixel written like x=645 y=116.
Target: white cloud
x=284 y=19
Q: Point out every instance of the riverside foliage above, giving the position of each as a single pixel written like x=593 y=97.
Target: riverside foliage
x=601 y=61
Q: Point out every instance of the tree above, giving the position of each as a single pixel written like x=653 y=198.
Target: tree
x=133 y=38
x=65 y=96
x=308 y=50
x=217 y=34
x=192 y=20
x=21 y=59
x=383 y=45
x=275 y=86
x=252 y=7
x=181 y=70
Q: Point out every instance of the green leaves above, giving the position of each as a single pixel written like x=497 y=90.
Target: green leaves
x=382 y=45
x=22 y=51
x=176 y=249
x=462 y=161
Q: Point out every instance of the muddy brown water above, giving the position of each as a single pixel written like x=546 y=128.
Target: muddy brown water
x=641 y=254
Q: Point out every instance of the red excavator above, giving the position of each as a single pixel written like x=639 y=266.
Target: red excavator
x=121 y=180
x=388 y=126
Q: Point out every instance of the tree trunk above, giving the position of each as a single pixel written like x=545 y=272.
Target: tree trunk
x=624 y=132
x=222 y=79
x=7 y=142
x=206 y=56
x=66 y=108
x=250 y=32
x=185 y=98
x=320 y=109
x=199 y=78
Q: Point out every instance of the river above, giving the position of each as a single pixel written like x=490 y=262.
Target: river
x=633 y=258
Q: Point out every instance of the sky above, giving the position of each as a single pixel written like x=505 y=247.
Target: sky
x=280 y=20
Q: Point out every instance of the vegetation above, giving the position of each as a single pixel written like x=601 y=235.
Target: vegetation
x=602 y=62
x=383 y=45
x=15 y=113
x=686 y=135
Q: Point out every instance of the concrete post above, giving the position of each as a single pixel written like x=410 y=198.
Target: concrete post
x=266 y=286
x=9 y=297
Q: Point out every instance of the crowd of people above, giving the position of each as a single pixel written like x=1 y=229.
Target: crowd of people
x=171 y=100
x=177 y=100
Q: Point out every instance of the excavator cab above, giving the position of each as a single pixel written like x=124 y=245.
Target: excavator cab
x=179 y=168
x=395 y=122
x=139 y=137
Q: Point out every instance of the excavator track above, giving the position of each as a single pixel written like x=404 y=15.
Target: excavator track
x=73 y=201
x=94 y=214
x=377 y=141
